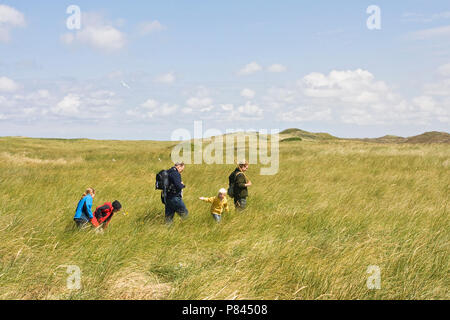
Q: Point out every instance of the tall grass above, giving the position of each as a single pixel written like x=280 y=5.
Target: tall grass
x=310 y=232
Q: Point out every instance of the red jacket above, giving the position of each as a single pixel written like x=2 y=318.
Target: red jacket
x=103 y=214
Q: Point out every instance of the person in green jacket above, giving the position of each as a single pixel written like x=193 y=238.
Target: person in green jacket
x=240 y=185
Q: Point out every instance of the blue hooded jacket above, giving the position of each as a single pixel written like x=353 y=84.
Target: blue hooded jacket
x=84 y=208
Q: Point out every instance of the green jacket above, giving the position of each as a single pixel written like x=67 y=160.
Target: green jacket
x=240 y=190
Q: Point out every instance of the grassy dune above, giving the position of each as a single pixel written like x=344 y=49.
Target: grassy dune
x=310 y=232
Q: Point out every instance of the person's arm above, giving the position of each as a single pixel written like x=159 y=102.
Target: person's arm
x=94 y=222
x=89 y=202
x=176 y=180
x=240 y=180
x=210 y=200
x=92 y=218
x=225 y=206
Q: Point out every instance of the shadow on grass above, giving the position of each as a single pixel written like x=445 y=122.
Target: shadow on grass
x=72 y=228
x=151 y=216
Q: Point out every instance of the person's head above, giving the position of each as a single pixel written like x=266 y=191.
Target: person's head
x=90 y=191
x=179 y=166
x=222 y=193
x=116 y=206
x=243 y=165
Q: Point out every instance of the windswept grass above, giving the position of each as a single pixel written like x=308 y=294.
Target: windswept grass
x=310 y=232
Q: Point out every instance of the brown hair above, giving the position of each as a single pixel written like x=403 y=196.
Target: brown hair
x=243 y=164
x=90 y=191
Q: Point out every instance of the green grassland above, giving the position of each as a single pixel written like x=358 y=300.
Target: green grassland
x=310 y=232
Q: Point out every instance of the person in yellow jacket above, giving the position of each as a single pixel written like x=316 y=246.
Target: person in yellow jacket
x=219 y=204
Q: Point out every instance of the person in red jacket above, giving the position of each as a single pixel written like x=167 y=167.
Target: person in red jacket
x=104 y=213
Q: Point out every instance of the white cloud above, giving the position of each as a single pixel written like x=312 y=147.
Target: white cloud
x=426 y=103
x=227 y=107
x=304 y=114
x=96 y=33
x=68 y=106
x=166 y=78
x=199 y=102
x=248 y=93
x=26 y=106
x=438 y=32
x=444 y=70
x=352 y=97
x=439 y=88
x=276 y=98
x=148 y=27
x=277 y=68
x=150 y=104
x=8 y=85
x=9 y=18
x=102 y=37
x=167 y=109
x=92 y=105
x=351 y=86
x=250 y=110
x=425 y=18
x=250 y=68
x=153 y=109
x=38 y=98
x=355 y=96
x=187 y=110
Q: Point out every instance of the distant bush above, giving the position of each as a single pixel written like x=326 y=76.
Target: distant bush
x=292 y=139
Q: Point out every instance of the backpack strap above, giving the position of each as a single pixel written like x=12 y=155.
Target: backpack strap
x=246 y=179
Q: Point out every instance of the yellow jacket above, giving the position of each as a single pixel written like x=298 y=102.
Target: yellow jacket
x=217 y=205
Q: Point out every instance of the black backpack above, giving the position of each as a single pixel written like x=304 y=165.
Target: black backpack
x=231 y=180
x=162 y=183
x=162 y=180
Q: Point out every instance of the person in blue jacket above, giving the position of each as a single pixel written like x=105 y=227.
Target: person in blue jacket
x=174 y=197
x=83 y=214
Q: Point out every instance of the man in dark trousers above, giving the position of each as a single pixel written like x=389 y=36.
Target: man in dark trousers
x=174 y=198
x=240 y=185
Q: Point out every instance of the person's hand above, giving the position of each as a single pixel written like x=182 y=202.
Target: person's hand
x=248 y=184
x=94 y=222
x=99 y=230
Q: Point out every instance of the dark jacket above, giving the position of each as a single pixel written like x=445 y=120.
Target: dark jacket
x=104 y=214
x=175 y=185
x=239 y=189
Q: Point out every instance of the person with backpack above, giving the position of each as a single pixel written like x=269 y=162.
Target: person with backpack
x=219 y=204
x=172 y=192
x=104 y=213
x=238 y=184
x=83 y=213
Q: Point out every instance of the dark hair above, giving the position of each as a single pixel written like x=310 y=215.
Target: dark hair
x=116 y=205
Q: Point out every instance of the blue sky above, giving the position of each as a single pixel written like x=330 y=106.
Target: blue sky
x=141 y=71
